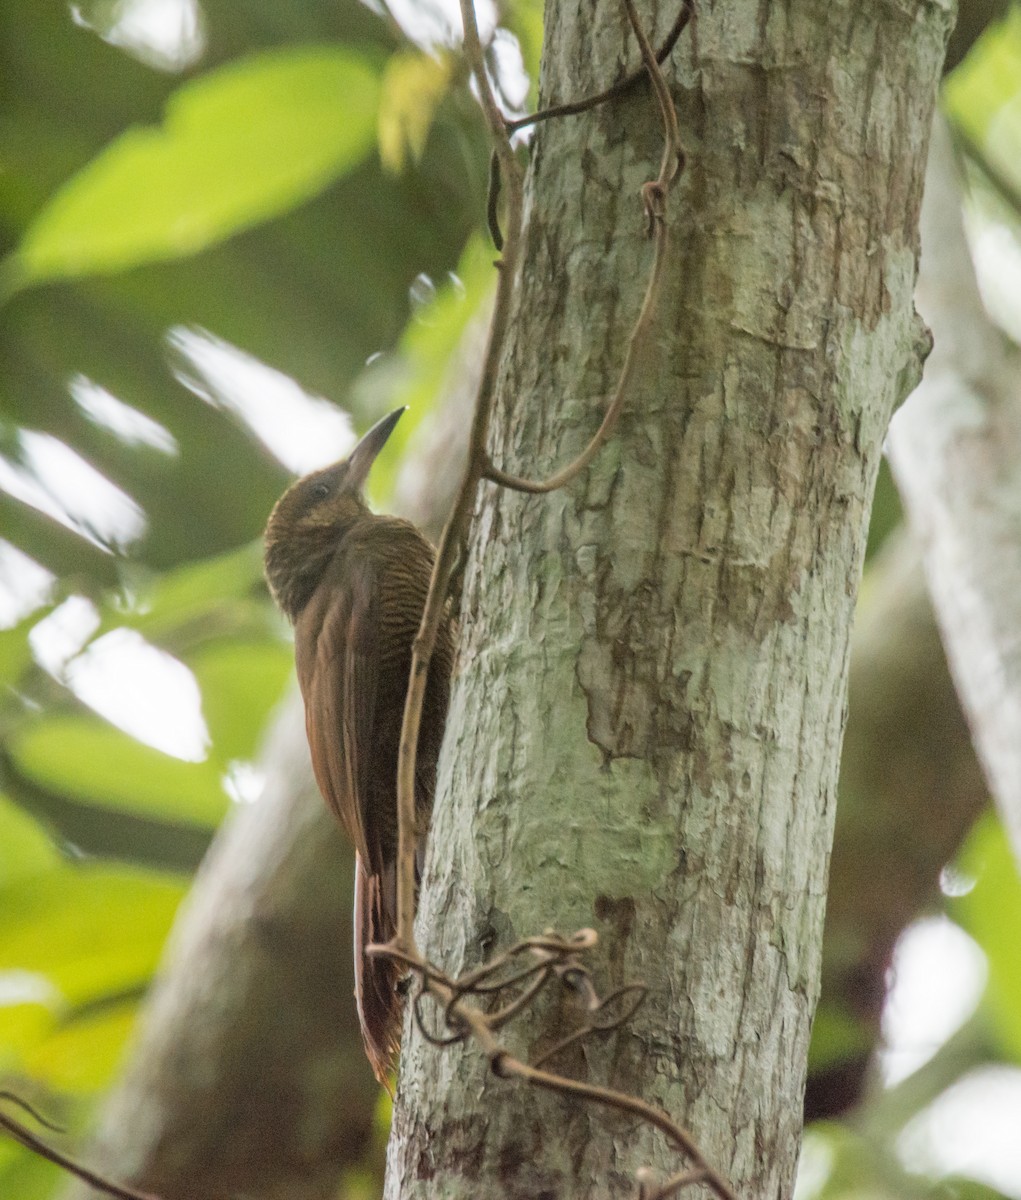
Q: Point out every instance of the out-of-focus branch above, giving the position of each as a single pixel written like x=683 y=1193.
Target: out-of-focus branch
x=248 y=1075
x=910 y=788
x=458 y=997
x=910 y=784
x=955 y=448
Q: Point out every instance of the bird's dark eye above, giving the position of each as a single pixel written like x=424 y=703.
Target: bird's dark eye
x=321 y=491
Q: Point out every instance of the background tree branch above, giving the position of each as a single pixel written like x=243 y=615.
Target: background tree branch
x=910 y=789
x=247 y=1075
x=955 y=449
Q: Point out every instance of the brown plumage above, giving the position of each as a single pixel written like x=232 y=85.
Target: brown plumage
x=354 y=585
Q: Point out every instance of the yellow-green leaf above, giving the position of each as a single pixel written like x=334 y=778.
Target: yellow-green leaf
x=25 y=849
x=983 y=95
x=241 y=683
x=91 y=930
x=238 y=145
x=83 y=1053
x=85 y=758
x=991 y=913
x=414 y=83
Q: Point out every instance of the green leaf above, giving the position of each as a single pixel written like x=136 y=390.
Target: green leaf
x=26 y=1175
x=81 y=934
x=239 y=145
x=983 y=95
x=87 y=759
x=991 y=913
x=82 y=1054
x=25 y=849
x=15 y=651
x=68 y=933
x=25 y=1026
x=169 y=601
x=414 y=83
x=91 y=930
x=241 y=683
x=203 y=601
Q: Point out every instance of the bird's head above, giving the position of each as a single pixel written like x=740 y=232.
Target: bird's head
x=314 y=513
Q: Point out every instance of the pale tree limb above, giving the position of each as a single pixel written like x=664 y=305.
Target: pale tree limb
x=555 y=956
x=451 y=547
x=572 y=108
x=955 y=448
x=910 y=783
x=654 y=194
x=247 y=1074
x=910 y=789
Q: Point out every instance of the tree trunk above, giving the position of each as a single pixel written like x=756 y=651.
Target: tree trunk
x=645 y=728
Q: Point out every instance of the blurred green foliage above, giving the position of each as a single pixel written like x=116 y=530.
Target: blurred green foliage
x=991 y=912
x=238 y=146
x=983 y=97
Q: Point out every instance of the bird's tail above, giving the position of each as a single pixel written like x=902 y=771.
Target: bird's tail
x=380 y=1006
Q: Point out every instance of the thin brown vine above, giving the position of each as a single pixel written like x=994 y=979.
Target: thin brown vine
x=31 y=1141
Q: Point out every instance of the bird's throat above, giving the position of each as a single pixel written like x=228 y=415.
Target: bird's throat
x=296 y=562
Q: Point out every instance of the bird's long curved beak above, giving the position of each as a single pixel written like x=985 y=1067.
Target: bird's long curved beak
x=364 y=454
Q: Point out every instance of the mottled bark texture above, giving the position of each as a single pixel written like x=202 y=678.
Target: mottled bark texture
x=646 y=723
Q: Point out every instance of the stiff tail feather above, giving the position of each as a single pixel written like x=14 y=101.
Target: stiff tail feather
x=380 y=1006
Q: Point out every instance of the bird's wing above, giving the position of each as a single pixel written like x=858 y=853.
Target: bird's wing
x=337 y=655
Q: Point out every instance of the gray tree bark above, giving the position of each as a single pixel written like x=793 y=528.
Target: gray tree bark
x=645 y=728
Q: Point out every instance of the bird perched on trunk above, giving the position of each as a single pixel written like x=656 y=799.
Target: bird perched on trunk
x=354 y=586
